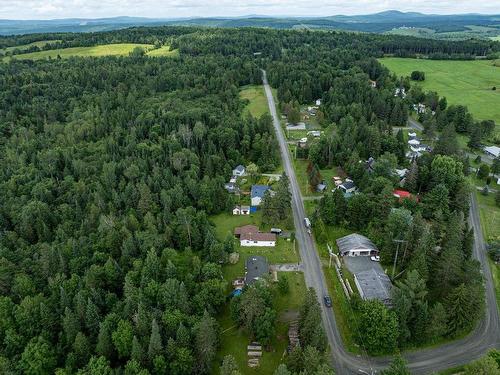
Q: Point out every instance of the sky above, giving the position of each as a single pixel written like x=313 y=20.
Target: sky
x=49 y=9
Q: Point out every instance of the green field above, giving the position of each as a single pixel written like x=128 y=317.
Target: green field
x=495 y=38
x=23 y=47
x=257 y=102
x=462 y=82
x=122 y=49
x=163 y=52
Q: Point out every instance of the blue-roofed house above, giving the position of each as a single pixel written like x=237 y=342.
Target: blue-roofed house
x=257 y=193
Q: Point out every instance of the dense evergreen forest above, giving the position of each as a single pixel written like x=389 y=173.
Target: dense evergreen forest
x=110 y=168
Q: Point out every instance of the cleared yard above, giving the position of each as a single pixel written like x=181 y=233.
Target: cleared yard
x=462 y=82
x=234 y=341
x=257 y=102
x=300 y=166
x=122 y=49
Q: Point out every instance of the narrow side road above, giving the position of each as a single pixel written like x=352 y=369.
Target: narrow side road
x=484 y=337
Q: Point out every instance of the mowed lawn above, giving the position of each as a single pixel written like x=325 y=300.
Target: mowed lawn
x=490 y=223
x=234 y=341
x=461 y=82
x=122 y=49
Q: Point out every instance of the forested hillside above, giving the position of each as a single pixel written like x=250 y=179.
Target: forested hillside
x=110 y=167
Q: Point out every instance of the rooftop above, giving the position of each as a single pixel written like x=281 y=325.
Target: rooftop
x=246 y=229
x=258 y=236
x=239 y=168
x=259 y=190
x=256 y=266
x=354 y=241
x=371 y=278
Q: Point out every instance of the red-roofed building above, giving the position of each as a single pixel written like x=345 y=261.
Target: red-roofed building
x=403 y=194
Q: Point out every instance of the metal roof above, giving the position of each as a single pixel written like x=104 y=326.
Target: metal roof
x=256 y=267
x=374 y=284
x=259 y=190
x=354 y=242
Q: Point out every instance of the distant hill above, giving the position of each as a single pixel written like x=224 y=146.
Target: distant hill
x=459 y=26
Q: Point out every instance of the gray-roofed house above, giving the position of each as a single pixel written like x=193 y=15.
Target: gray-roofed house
x=256 y=267
x=232 y=188
x=348 y=187
x=356 y=245
x=239 y=171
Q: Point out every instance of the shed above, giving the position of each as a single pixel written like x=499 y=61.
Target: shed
x=492 y=151
x=356 y=245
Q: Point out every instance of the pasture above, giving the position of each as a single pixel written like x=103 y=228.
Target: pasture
x=121 y=49
x=39 y=44
x=468 y=83
x=163 y=51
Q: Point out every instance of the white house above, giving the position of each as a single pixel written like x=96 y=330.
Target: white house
x=400 y=91
x=347 y=187
x=239 y=171
x=258 y=239
x=318 y=102
x=241 y=210
x=314 y=133
x=492 y=151
x=232 y=180
x=414 y=142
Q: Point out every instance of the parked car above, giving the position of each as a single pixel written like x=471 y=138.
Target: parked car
x=328 y=301
x=375 y=258
x=307 y=222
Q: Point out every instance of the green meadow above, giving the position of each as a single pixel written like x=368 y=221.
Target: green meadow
x=118 y=49
x=23 y=47
x=468 y=83
x=257 y=102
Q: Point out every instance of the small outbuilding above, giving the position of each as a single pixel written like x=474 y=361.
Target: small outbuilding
x=348 y=187
x=241 y=210
x=356 y=245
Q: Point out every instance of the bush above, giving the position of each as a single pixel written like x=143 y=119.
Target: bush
x=417 y=75
x=484 y=171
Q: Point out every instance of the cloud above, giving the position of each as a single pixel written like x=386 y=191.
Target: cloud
x=43 y=9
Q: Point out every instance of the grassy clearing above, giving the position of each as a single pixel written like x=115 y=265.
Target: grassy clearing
x=300 y=166
x=489 y=214
x=122 y=49
x=462 y=82
x=234 y=341
x=163 y=52
x=257 y=102
x=23 y=47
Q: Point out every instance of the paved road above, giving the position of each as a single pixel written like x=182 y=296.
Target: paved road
x=486 y=336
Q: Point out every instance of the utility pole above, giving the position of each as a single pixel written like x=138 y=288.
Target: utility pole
x=399 y=242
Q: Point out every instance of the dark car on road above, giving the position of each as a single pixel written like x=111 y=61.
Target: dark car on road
x=328 y=301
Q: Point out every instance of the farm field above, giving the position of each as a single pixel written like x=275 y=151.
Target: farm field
x=163 y=51
x=121 y=49
x=461 y=82
x=23 y=47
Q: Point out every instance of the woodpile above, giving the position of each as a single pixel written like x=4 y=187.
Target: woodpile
x=254 y=352
x=293 y=335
